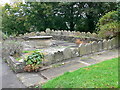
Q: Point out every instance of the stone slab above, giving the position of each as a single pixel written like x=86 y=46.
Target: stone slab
x=54 y=72
x=89 y=61
x=30 y=79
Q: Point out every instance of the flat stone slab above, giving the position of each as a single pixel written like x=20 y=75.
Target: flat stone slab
x=89 y=60
x=106 y=55
x=30 y=79
x=40 y=37
x=54 y=72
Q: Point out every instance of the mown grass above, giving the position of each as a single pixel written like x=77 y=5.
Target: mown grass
x=101 y=75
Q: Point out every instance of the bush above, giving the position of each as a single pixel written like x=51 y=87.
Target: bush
x=34 y=61
x=108 y=25
x=13 y=48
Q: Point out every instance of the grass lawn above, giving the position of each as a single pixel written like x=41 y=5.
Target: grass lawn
x=101 y=75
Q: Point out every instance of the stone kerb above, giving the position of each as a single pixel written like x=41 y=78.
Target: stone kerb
x=94 y=46
x=82 y=50
x=16 y=66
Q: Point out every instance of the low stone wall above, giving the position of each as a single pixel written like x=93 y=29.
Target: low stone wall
x=83 y=49
x=67 y=53
x=63 y=33
x=16 y=66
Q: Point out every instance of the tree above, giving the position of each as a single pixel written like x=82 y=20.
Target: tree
x=108 y=25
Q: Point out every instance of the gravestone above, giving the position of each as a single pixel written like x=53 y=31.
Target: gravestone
x=58 y=56
x=59 y=32
x=89 y=34
x=37 y=33
x=94 y=46
x=109 y=44
x=42 y=33
x=75 y=52
x=52 y=32
x=88 y=48
x=82 y=50
x=48 y=31
x=62 y=32
x=94 y=35
x=105 y=44
x=67 y=53
x=100 y=46
x=49 y=59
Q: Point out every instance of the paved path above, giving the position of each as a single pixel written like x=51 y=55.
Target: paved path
x=31 y=79
x=9 y=79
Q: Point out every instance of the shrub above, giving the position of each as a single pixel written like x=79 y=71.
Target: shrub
x=108 y=25
x=13 y=48
x=34 y=62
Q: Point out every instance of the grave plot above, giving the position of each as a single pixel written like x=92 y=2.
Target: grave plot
x=42 y=51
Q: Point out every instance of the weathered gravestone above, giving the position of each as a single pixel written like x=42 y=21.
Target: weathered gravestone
x=109 y=44
x=58 y=56
x=88 y=48
x=82 y=50
x=49 y=59
x=94 y=46
x=75 y=52
x=52 y=32
x=67 y=53
x=100 y=46
x=48 y=31
x=89 y=34
x=105 y=45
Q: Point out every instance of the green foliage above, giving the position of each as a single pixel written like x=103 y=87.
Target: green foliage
x=101 y=75
x=108 y=25
x=37 y=16
x=3 y=35
x=34 y=61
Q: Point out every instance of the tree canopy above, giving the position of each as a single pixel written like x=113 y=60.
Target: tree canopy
x=37 y=16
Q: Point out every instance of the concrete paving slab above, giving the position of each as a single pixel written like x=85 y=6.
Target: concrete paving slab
x=54 y=72
x=30 y=79
x=106 y=55
x=89 y=61
x=9 y=79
